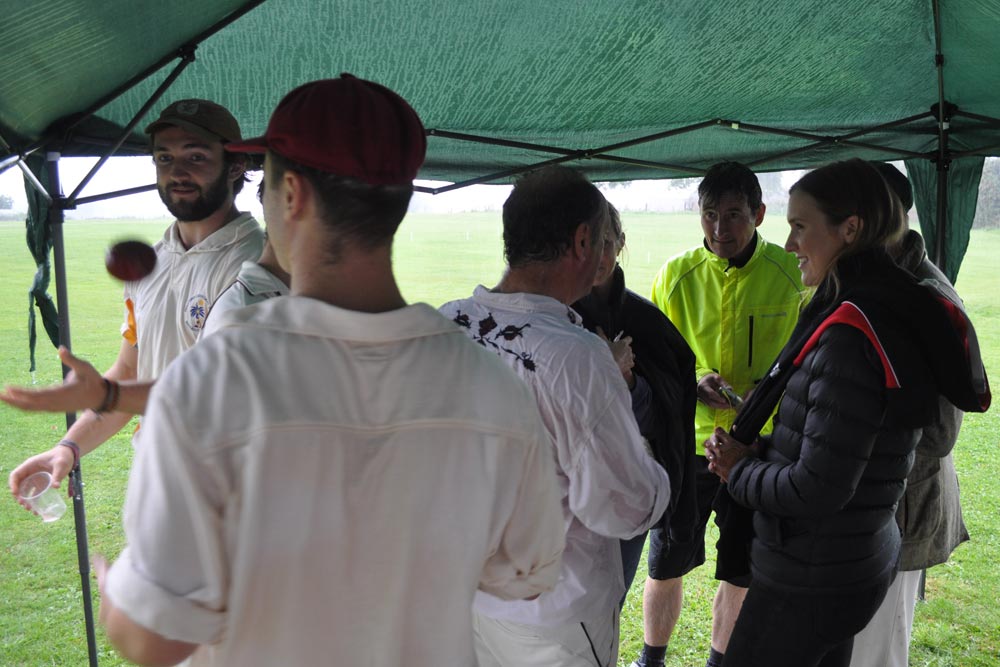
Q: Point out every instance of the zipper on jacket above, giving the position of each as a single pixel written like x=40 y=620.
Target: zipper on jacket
x=750 y=345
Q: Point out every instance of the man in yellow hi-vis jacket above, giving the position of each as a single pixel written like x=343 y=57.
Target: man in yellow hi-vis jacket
x=736 y=299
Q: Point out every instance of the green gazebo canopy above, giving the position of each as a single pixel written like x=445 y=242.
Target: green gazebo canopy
x=621 y=89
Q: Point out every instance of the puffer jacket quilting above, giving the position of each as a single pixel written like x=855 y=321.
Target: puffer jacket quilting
x=830 y=476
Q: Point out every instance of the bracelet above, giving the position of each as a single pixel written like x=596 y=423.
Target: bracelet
x=75 y=447
x=112 y=392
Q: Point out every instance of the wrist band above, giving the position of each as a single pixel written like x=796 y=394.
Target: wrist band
x=112 y=392
x=75 y=447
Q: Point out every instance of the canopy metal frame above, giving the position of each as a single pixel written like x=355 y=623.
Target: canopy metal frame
x=812 y=141
x=941 y=114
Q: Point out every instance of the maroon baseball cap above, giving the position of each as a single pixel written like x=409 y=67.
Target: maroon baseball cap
x=348 y=127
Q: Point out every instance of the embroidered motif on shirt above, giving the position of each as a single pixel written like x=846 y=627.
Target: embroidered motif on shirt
x=195 y=312
x=486 y=326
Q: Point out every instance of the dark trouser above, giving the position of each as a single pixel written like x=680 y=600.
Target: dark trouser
x=669 y=559
x=631 y=555
x=776 y=628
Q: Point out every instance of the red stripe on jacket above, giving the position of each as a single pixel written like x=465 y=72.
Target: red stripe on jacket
x=850 y=314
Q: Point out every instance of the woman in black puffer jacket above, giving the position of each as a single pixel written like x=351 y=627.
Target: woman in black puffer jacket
x=859 y=378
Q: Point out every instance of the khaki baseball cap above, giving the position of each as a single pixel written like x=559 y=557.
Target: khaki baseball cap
x=202 y=117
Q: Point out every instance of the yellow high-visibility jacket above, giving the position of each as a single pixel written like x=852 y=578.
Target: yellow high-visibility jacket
x=736 y=320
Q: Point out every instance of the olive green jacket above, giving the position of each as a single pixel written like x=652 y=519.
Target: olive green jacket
x=930 y=512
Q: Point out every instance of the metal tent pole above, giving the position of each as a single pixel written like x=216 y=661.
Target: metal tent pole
x=56 y=218
x=940 y=256
x=943 y=117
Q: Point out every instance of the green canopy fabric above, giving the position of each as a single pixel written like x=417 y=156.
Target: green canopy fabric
x=571 y=75
x=505 y=85
x=963 y=182
x=621 y=89
x=40 y=244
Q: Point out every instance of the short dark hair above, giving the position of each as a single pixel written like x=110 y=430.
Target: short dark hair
x=729 y=178
x=543 y=211
x=367 y=215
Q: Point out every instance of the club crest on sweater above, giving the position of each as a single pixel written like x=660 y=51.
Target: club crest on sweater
x=196 y=311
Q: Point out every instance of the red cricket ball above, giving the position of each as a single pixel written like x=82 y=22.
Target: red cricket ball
x=130 y=260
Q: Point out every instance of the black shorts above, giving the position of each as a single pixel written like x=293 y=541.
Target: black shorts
x=669 y=559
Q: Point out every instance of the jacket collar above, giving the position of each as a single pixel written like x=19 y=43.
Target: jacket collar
x=910 y=252
x=726 y=265
x=592 y=303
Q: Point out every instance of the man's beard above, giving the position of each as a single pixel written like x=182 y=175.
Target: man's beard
x=208 y=201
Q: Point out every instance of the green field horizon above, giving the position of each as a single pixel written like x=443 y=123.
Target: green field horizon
x=437 y=258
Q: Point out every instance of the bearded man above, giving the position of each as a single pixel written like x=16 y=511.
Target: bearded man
x=198 y=257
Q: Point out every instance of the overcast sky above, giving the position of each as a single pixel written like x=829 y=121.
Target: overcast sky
x=126 y=172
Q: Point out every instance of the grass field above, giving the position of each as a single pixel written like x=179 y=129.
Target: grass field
x=437 y=258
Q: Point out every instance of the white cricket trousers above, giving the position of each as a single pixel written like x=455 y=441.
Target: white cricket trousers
x=506 y=644
x=885 y=641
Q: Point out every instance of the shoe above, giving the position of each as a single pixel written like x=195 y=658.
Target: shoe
x=640 y=662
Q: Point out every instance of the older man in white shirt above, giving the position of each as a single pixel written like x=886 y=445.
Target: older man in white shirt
x=555 y=223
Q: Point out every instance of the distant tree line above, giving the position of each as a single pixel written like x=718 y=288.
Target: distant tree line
x=612 y=185
x=988 y=205
x=773 y=193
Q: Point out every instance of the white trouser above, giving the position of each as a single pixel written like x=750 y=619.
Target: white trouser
x=885 y=641
x=507 y=644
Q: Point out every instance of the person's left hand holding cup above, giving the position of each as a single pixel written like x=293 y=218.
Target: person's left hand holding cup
x=38 y=493
x=57 y=462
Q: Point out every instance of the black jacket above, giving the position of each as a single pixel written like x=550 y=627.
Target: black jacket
x=664 y=360
x=862 y=375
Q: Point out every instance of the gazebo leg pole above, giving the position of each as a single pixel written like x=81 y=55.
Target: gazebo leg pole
x=56 y=218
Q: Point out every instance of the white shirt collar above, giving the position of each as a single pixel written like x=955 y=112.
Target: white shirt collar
x=527 y=303
x=230 y=233
x=312 y=317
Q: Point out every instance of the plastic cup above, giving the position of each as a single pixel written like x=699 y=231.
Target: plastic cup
x=44 y=500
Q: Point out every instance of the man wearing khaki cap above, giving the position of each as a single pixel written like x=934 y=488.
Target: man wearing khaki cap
x=330 y=476
x=196 y=260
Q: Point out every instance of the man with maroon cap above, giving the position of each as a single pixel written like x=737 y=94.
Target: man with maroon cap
x=196 y=260
x=330 y=476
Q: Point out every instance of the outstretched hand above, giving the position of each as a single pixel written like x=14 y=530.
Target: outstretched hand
x=83 y=388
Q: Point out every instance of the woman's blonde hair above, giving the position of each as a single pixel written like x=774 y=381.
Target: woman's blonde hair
x=615 y=227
